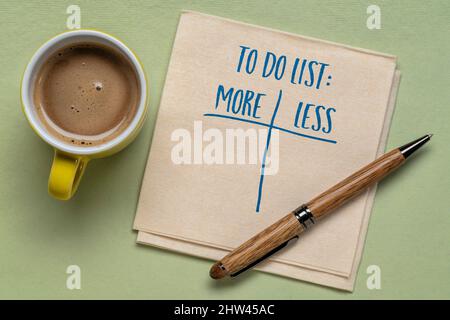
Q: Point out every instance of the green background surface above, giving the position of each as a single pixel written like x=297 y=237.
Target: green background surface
x=409 y=232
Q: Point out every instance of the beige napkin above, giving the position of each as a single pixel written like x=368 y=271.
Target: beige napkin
x=208 y=209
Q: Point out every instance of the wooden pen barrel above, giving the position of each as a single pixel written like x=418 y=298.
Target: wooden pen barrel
x=257 y=247
x=291 y=225
x=354 y=184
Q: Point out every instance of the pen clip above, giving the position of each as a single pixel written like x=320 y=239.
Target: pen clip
x=271 y=252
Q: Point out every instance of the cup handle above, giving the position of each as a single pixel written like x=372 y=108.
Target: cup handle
x=65 y=174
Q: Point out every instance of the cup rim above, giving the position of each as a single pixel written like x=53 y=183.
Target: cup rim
x=28 y=103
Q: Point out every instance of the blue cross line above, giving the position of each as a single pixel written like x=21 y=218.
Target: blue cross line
x=268 y=125
x=263 y=164
x=269 y=134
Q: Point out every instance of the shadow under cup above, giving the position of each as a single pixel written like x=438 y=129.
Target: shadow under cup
x=83 y=115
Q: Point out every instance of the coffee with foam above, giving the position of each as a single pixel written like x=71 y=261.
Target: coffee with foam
x=86 y=94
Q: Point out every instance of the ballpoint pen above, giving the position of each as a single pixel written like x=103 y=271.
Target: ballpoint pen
x=292 y=225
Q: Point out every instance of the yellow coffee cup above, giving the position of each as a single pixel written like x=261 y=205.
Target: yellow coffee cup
x=69 y=161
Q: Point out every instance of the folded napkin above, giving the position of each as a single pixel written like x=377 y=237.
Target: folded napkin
x=206 y=206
